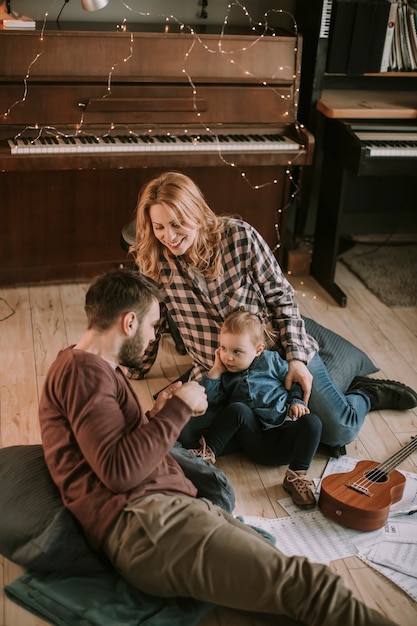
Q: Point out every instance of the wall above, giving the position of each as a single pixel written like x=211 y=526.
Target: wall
x=187 y=11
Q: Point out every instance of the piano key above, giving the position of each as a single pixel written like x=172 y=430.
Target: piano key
x=168 y=143
x=383 y=143
x=393 y=152
x=325 y=19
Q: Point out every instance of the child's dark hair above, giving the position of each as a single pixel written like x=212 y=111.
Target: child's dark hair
x=242 y=321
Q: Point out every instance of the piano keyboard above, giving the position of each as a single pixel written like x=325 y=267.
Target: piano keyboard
x=326 y=13
x=166 y=143
x=388 y=144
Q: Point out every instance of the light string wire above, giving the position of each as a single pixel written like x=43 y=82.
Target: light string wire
x=261 y=29
x=219 y=49
x=23 y=99
x=379 y=473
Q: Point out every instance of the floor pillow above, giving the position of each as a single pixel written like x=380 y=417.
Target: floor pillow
x=343 y=360
x=36 y=530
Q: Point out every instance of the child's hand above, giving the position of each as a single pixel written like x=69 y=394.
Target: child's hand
x=218 y=368
x=297 y=410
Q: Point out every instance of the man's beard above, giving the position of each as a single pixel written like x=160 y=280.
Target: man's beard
x=131 y=351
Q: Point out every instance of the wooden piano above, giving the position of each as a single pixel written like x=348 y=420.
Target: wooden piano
x=90 y=115
x=366 y=134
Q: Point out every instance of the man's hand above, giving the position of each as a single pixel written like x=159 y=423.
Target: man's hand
x=298 y=373
x=163 y=396
x=193 y=394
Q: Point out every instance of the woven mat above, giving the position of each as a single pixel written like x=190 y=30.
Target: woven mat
x=389 y=271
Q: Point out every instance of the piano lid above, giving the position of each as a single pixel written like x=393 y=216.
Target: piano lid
x=65 y=104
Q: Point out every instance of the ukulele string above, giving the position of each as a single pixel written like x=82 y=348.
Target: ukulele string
x=381 y=470
x=402 y=454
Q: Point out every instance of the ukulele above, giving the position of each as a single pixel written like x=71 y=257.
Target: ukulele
x=361 y=498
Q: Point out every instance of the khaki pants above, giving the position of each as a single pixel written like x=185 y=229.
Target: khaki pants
x=181 y=546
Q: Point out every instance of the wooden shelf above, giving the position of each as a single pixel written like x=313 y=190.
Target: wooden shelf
x=361 y=104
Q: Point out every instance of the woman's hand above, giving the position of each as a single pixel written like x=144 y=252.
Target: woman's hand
x=298 y=373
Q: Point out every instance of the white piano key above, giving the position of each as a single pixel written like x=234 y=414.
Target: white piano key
x=393 y=152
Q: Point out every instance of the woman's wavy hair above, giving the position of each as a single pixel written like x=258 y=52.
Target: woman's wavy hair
x=186 y=203
x=242 y=322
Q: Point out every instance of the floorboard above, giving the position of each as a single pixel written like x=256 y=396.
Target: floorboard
x=45 y=318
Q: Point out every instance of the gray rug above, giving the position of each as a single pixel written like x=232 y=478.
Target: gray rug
x=389 y=271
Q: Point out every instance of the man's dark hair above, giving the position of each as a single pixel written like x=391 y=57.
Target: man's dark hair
x=117 y=292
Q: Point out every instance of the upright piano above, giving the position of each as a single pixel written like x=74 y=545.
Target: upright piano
x=91 y=114
x=366 y=134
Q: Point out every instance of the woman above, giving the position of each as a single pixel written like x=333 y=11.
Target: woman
x=210 y=266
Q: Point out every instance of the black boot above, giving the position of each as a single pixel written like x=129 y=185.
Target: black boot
x=333 y=451
x=385 y=394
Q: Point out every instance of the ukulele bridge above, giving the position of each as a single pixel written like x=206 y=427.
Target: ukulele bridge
x=359 y=488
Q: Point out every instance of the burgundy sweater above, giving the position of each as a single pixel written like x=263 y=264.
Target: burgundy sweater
x=101 y=449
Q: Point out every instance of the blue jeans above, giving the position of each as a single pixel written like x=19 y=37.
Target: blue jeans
x=210 y=481
x=342 y=415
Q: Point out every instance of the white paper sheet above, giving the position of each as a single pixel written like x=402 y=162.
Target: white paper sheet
x=405 y=582
x=401 y=557
x=311 y=534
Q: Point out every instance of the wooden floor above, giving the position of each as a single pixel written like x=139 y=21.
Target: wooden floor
x=47 y=318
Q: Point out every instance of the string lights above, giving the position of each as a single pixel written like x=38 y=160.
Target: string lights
x=261 y=29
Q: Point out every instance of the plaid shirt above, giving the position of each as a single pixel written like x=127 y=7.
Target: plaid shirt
x=252 y=279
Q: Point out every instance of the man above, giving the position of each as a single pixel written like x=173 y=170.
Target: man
x=113 y=466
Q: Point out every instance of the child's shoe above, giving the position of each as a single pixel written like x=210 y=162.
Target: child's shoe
x=300 y=488
x=205 y=452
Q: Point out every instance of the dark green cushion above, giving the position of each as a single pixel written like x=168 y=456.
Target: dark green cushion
x=343 y=360
x=36 y=530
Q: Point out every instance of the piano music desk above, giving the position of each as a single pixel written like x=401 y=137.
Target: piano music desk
x=345 y=157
